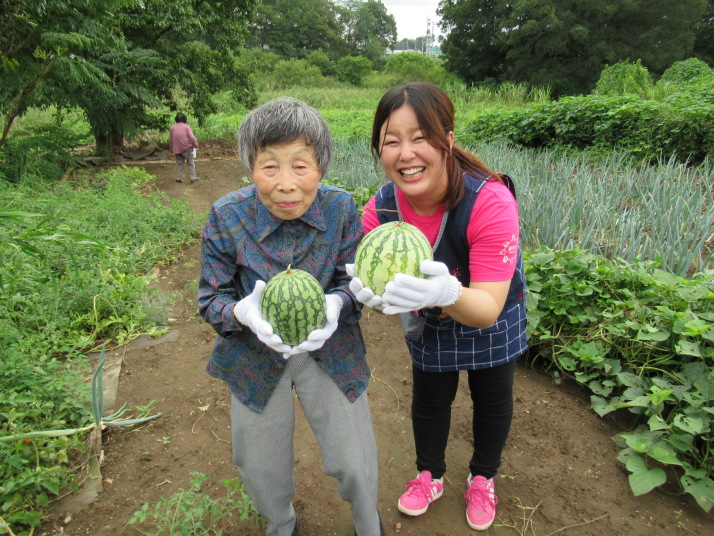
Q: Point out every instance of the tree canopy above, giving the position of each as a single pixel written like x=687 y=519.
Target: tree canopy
x=704 y=40
x=369 y=29
x=564 y=44
x=294 y=28
x=119 y=59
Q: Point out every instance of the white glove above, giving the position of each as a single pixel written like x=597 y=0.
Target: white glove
x=247 y=311
x=408 y=293
x=363 y=294
x=318 y=337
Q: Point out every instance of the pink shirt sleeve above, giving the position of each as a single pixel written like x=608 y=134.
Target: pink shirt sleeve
x=493 y=234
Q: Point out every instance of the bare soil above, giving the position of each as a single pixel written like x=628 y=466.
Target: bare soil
x=559 y=473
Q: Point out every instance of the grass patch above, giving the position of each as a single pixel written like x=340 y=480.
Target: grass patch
x=62 y=295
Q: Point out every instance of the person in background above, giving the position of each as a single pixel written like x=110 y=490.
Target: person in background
x=183 y=144
x=287 y=217
x=469 y=313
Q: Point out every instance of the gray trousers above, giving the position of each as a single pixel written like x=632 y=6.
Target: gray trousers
x=187 y=157
x=263 y=446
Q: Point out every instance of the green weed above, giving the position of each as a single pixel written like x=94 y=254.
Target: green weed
x=193 y=513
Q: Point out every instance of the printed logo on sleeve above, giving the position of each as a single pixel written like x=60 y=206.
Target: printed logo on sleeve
x=510 y=250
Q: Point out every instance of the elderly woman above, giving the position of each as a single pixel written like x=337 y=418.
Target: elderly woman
x=287 y=217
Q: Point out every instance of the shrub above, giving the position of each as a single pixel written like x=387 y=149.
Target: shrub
x=62 y=294
x=320 y=60
x=353 y=69
x=260 y=64
x=409 y=66
x=641 y=340
x=684 y=73
x=291 y=73
x=258 y=61
x=624 y=78
x=44 y=152
x=681 y=126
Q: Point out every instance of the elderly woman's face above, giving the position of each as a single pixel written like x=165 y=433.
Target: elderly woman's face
x=287 y=177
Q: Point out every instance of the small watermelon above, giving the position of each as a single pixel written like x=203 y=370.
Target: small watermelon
x=391 y=248
x=293 y=302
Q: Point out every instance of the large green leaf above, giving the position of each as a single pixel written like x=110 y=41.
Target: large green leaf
x=643 y=480
x=702 y=490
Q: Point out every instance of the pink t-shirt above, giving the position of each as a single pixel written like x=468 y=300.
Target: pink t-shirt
x=492 y=232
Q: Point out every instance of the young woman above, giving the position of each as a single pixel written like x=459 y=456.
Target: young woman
x=469 y=313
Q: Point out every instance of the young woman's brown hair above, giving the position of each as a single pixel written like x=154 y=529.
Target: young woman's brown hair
x=435 y=113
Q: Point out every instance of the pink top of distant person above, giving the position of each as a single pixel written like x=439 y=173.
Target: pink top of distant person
x=181 y=138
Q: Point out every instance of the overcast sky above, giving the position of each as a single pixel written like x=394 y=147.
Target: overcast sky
x=411 y=16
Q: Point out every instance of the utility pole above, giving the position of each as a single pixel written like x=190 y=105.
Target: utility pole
x=428 y=41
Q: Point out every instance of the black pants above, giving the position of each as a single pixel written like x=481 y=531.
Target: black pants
x=492 y=396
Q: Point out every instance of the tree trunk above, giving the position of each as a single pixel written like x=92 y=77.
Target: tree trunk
x=19 y=105
x=109 y=141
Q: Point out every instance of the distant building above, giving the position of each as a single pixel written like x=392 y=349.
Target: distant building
x=389 y=51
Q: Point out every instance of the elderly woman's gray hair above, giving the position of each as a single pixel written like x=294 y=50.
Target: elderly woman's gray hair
x=280 y=121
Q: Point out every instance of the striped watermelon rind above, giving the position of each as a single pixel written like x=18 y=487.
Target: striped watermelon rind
x=392 y=248
x=293 y=303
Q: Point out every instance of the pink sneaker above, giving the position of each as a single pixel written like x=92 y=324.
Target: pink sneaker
x=481 y=502
x=421 y=492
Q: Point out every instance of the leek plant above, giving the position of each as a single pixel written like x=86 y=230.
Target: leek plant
x=662 y=213
x=114 y=420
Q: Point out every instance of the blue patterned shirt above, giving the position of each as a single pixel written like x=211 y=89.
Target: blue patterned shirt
x=242 y=243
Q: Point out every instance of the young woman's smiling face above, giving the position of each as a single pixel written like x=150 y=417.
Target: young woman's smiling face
x=410 y=161
x=287 y=177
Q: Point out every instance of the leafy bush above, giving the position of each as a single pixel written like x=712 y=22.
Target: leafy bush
x=640 y=339
x=624 y=78
x=260 y=64
x=681 y=126
x=93 y=294
x=70 y=294
x=409 y=66
x=44 y=152
x=257 y=60
x=37 y=394
x=353 y=69
x=321 y=60
x=290 y=73
x=683 y=73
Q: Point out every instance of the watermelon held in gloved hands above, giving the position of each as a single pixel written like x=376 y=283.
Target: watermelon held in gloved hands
x=392 y=248
x=293 y=302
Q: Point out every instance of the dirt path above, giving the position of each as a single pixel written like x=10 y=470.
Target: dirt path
x=559 y=473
